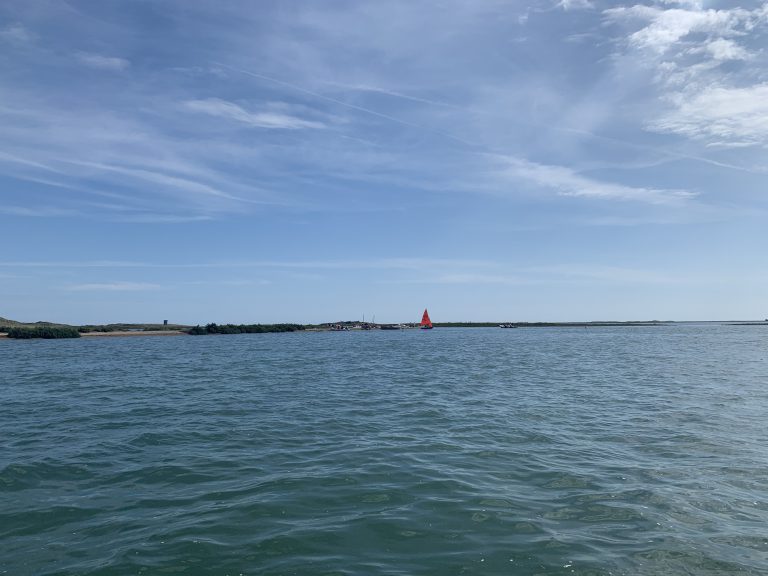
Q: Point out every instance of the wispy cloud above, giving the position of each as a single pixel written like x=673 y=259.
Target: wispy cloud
x=697 y=4
x=726 y=116
x=664 y=28
x=370 y=264
x=469 y=278
x=573 y=273
x=15 y=159
x=602 y=273
x=566 y=182
x=150 y=218
x=723 y=49
x=231 y=283
x=348 y=105
x=394 y=94
x=409 y=271
x=17 y=34
x=114 y=287
x=95 y=151
x=101 y=62
x=576 y=4
x=38 y=212
x=231 y=111
x=159 y=178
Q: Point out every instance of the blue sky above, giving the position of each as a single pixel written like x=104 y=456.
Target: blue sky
x=242 y=161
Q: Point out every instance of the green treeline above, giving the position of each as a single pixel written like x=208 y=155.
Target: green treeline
x=243 y=328
x=129 y=327
x=101 y=328
x=43 y=332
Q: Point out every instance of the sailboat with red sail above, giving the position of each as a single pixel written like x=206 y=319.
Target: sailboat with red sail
x=426 y=323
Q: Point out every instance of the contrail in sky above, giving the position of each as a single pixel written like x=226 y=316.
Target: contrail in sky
x=348 y=105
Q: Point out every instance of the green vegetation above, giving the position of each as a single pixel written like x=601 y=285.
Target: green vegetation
x=43 y=332
x=91 y=328
x=243 y=328
x=50 y=330
x=6 y=324
x=130 y=327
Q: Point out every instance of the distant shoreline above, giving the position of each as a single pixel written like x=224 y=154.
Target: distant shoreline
x=181 y=330
x=116 y=334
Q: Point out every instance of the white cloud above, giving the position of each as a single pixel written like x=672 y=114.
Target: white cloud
x=735 y=116
x=567 y=182
x=103 y=62
x=722 y=49
x=231 y=111
x=686 y=47
x=575 y=4
x=698 y=4
x=667 y=27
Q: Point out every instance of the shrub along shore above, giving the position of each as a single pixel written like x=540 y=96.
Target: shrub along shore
x=47 y=330
x=244 y=328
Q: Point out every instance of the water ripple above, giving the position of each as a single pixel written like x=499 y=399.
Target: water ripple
x=636 y=451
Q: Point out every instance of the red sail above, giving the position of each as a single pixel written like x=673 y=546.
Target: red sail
x=425 y=321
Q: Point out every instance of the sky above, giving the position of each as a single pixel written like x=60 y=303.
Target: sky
x=302 y=161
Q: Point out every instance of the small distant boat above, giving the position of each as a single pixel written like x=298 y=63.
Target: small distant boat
x=507 y=325
x=391 y=327
x=426 y=323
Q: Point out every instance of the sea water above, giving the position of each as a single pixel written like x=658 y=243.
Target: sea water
x=628 y=450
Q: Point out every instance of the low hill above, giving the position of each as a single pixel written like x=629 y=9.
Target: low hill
x=5 y=322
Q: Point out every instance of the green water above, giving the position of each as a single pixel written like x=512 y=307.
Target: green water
x=454 y=451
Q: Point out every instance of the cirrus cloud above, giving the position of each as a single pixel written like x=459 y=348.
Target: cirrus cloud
x=113 y=287
x=230 y=111
x=567 y=182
